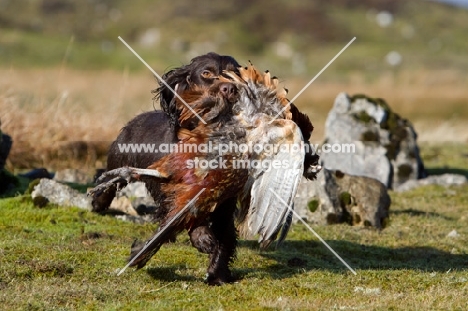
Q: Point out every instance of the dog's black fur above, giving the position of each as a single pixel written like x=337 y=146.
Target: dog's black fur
x=146 y=128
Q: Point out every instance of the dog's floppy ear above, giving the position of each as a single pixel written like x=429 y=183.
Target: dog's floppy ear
x=229 y=63
x=175 y=77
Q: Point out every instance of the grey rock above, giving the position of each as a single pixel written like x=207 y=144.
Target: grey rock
x=135 y=202
x=48 y=190
x=139 y=198
x=135 y=189
x=124 y=205
x=443 y=180
x=453 y=234
x=73 y=176
x=312 y=201
x=336 y=197
x=385 y=144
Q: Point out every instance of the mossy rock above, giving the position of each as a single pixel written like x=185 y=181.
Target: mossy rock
x=313 y=205
x=404 y=170
x=40 y=201
x=370 y=136
x=386 y=140
x=376 y=101
x=332 y=219
x=363 y=117
x=31 y=186
x=345 y=199
x=360 y=96
x=392 y=150
x=393 y=123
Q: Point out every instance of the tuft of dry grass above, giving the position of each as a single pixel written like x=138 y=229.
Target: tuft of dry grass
x=67 y=118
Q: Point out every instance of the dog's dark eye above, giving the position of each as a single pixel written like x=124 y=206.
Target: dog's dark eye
x=207 y=74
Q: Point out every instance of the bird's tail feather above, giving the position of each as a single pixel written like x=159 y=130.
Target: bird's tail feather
x=141 y=252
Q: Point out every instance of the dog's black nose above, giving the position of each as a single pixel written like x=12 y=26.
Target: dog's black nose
x=228 y=90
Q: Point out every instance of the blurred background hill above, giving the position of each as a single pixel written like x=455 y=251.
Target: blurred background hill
x=295 y=37
x=65 y=76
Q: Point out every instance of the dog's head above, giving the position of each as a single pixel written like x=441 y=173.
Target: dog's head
x=211 y=103
x=202 y=72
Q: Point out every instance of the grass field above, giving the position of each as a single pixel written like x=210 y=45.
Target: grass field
x=66 y=259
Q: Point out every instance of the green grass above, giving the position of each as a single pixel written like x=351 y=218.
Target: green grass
x=66 y=259
x=446 y=158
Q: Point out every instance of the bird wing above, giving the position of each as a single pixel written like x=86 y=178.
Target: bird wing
x=278 y=175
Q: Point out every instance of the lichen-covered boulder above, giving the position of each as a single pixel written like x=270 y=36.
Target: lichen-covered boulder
x=128 y=207
x=385 y=144
x=336 y=197
x=48 y=190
